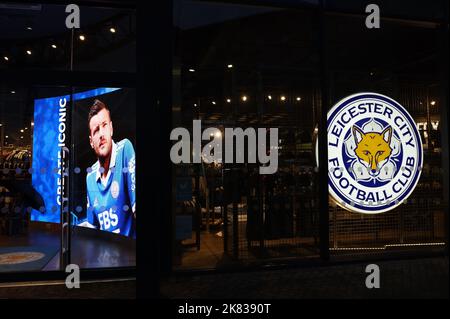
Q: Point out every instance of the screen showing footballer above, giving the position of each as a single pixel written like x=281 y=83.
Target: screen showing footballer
x=102 y=157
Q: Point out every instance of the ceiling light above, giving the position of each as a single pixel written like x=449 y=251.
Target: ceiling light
x=82 y=37
x=283 y=98
x=244 y=98
x=228 y=100
x=112 y=30
x=269 y=97
x=28 y=52
x=433 y=103
x=298 y=98
x=6 y=58
x=191 y=70
x=230 y=66
x=54 y=46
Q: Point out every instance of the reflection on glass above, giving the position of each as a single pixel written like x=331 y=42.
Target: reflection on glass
x=35 y=36
x=27 y=241
x=237 y=72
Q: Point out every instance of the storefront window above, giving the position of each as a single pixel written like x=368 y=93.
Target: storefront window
x=47 y=147
x=246 y=67
x=249 y=66
x=387 y=62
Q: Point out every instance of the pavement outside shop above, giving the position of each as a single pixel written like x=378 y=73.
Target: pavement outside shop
x=408 y=278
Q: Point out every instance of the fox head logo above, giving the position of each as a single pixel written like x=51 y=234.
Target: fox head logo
x=373 y=149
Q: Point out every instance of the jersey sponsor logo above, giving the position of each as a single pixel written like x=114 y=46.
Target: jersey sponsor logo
x=108 y=219
x=375 y=153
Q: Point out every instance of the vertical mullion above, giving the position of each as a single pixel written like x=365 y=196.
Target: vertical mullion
x=323 y=150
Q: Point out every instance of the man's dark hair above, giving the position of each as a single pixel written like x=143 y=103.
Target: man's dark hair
x=96 y=107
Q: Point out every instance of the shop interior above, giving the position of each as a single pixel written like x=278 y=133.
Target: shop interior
x=242 y=71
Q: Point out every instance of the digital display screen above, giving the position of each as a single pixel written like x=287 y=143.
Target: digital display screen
x=102 y=145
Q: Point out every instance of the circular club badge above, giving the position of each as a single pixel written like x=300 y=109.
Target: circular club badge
x=115 y=189
x=375 y=153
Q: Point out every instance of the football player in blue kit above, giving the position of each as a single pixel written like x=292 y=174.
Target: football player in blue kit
x=111 y=184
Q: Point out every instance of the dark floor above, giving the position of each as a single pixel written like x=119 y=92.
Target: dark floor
x=416 y=278
x=413 y=278
x=90 y=249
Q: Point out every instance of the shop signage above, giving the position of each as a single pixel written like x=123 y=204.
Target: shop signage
x=375 y=153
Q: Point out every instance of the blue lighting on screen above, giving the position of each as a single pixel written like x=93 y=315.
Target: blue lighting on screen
x=46 y=149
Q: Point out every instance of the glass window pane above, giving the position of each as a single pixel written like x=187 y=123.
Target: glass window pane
x=34 y=36
x=30 y=181
x=106 y=40
x=389 y=62
x=250 y=68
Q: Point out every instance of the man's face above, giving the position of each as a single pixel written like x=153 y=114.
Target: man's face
x=101 y=131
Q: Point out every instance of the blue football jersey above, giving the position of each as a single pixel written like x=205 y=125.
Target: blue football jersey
x=111 y=203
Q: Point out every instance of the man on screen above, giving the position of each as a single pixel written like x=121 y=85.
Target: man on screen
x=111 y=199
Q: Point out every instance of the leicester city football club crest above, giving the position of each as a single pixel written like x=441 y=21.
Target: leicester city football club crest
x=375 y=153
x=115 y=189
